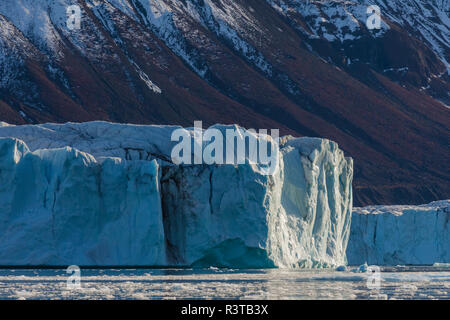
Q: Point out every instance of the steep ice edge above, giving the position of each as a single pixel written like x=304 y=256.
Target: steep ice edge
x=106 y=194
x=400 y=235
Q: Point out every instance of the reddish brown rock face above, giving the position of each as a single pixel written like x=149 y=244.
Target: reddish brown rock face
x=305 y=68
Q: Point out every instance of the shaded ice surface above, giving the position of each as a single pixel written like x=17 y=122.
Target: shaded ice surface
x=396 y=235
x=61 y=206
x=106 y=194
x=395 y=283
x=295 y=218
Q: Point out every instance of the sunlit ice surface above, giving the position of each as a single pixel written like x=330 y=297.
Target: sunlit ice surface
x=395 y=283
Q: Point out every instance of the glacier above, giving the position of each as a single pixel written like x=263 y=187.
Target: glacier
x=400 y=235
x=104 y=194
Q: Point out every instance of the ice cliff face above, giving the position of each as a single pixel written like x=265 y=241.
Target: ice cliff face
x=295 y=218
x=62 y=206
x=114 y=198
x=393 y=235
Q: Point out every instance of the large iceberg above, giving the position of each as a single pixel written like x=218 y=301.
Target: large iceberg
x=400 y=235
x=107 y=194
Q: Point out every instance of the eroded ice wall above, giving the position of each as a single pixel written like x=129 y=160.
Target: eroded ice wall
x=235 y=215
x=111 y=210
x=400 y=235
x=62 y=207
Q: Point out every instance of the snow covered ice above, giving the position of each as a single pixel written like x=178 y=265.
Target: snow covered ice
x=105 y=194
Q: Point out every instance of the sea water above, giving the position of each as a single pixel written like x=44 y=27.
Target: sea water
x=399 y=282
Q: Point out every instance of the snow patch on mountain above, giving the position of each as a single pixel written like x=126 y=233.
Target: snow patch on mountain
x=170 y=28
x=12 y=46
x=335 y=20
x=176 y=23
x=341 y=20
x=235 y=23
x=33 y=19
x=15 y=49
